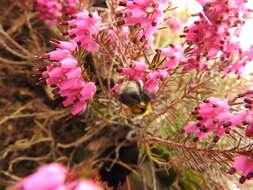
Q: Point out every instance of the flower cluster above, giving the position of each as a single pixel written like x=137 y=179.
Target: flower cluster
x=248 y=99
x=71 y=6
x=84 y=26
x=244 y=164
x=149 y=77
x=174 y=55
x=49 y=10
x=53 y=10
x=145 y=15
x=247 y=116
x=53 y=177
x=214 y=35
x=213 y=115
x=65 y=76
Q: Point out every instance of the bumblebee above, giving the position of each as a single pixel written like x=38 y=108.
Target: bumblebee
x=133 y=95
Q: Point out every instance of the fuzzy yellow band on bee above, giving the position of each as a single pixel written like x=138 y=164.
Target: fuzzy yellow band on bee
x=143 y=110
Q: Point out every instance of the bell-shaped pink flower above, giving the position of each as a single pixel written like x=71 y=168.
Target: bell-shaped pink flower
x=146 y=13
x=83 y=29
x=213 y=116
x=87 y=185
x=48 y=177
x=174 y=55
x=150 y=78
x=53 y=10
x=245 y=165
x=210 y=37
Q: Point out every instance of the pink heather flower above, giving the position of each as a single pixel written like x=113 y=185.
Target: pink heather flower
x=87 y=185
x=49 y=10
x=174 y=23
x=79 y=185
x=48 y=177
x=190 y=127
x=115 y=89
x=150 y=78
x=239 y=118
x=214 y=116
x=247 y=121
x=192 y=63
x=174 y=55
x=238 y=64
x=202 y=2
x=249 y=130
x=246 y=117
x=138 y=72
x=146 y=13
x=244 y=164
x=66 y=45
x=53 y=10
x=84 y=28
x=71 y=6
x=66 y=77
x=211 y=36
x=53 y=177
x=152 y=82
x=248 y=100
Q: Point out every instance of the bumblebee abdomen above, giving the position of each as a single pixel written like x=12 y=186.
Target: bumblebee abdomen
x=137 y=109
x=130 y=98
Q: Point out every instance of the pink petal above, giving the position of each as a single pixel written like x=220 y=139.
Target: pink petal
x=58 y=55
x=201 y=135
x=151 y=85
x=202 y=2
x=140 y=66
x=249 y=130
x=90 y=45
x=69 y=101
x=56 y=72
x=47 y=177
x=220 y=132
x=128 y=71
x=78 y=107
x=71 y=84
x=69 y=63
x=67 y=45
x=240 y=162
x=87 y=185
x=171 y=64
x=88 y=91
x=163 y=73
x=69 y=92
x=239 y=118
x=191 y=126
x=62 y=187
x=53 y=81
x=75 y=73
